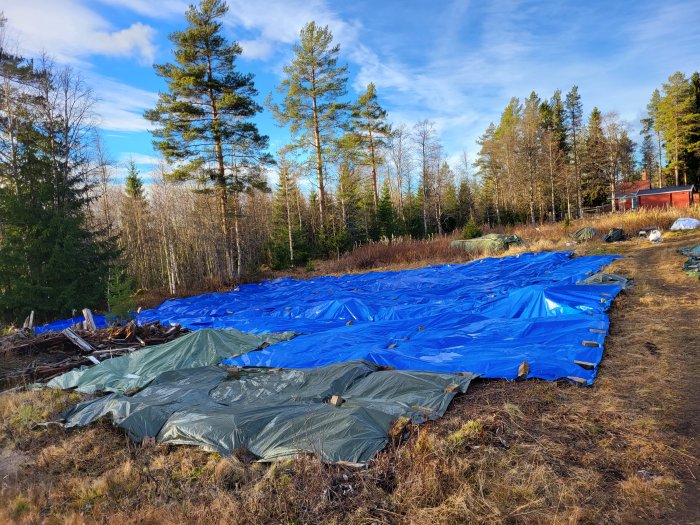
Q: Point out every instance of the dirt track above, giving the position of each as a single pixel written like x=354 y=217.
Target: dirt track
x=653 y=355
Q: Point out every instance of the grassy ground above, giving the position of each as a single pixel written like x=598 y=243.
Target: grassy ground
x=622 y=451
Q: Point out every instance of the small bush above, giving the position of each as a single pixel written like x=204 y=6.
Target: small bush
x=471 y=230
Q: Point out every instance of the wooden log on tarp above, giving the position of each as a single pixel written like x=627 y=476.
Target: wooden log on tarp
x=78 y=341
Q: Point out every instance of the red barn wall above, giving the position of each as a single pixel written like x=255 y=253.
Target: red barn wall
x=681 y=199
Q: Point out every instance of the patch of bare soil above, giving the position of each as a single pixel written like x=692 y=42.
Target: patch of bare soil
x=622 y=451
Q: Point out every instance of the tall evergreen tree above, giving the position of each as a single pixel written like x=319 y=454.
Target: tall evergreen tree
x=368 y=124
x=574 y=116
x=677 y=119
x=312 y=106
x=693 y=157
x=385 y=213
x=652 y=123
x=204 y=117
x=648 y=154
x=554 y=143
x=593 y=167
x=50 y=261
x=530 y=126
x=133 y=183
x=488 y=164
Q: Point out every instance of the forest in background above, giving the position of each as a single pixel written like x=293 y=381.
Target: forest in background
x=221 y=204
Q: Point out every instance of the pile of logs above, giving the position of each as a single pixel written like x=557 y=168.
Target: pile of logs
x=28 y=358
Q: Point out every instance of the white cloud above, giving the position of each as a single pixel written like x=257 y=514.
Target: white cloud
x=71 y=32
x=278 y=23
x=139 y=159
x=121 y=106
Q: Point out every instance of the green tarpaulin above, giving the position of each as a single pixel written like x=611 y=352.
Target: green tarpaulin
x=584 y=234
x=137 y=369
x=493 y=242
x=607 y=278
x=278 y=413
x=615 y=235
x=692 y=265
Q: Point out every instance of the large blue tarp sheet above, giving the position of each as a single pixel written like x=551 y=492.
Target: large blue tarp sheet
x=485 y=317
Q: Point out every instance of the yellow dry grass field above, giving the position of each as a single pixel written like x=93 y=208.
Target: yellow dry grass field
x=622 y=451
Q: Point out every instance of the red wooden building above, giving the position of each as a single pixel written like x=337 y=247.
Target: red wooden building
x=675 y=197
x=639 y=194
x=626 y=193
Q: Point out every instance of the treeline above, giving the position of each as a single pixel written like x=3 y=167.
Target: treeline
x=221 y=205
x=545 y=161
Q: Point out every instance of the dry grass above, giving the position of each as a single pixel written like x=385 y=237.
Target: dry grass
x=410 y=253
x=622 y=451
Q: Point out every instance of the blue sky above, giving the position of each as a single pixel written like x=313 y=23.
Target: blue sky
x=456 y=63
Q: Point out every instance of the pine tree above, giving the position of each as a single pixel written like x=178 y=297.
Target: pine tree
x=488 y=164
x=677 y=119
x=312 y=89
x=368 y=124
x=530 y=126
x=206 y=112
x=574 y=116
x=692 y=160
x=350 y=202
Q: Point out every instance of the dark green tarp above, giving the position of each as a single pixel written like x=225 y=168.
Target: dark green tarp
x=692 y=265
x=615 y=235
x=607 y=278
x=584 y=234
x=278 y=413
x=137 y=369
x=494 y=242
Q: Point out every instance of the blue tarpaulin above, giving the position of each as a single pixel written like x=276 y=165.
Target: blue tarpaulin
x=57 y=326
x=485 y=317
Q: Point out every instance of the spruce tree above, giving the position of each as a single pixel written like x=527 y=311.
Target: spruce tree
x=133 y=184
x=648 y=154
x=386 y=217
x=593 y=167
x=50 y=262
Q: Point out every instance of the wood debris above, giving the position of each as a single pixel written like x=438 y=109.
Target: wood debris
x=27 y=358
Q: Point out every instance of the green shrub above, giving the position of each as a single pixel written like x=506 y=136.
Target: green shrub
x=471 y=230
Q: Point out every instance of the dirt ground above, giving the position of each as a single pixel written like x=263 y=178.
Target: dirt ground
x=622 y=451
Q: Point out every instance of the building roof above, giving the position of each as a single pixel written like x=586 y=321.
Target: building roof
x=673 y=189
x=630 y=188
